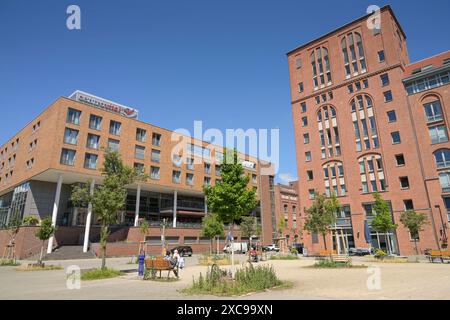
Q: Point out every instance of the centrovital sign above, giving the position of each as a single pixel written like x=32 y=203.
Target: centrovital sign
x=104 y=104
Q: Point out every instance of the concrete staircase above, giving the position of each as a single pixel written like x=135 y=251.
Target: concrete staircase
x=69 y=253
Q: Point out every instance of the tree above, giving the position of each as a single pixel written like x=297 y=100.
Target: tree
x=231 y=198
x=211 y=227
x=249 y=227
x=12 y=228
x=108 y=198
x=383 y=220
x=30 y=221
x=321 y=215
x=281 y=226
x=45 y=231
x=414 y=222
x=143 y=228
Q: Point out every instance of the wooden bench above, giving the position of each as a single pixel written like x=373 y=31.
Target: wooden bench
x=326 y=253
x=159 y=264
x=340 y=258
x=438 y=255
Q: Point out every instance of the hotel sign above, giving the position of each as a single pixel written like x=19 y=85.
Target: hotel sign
x=104 y=104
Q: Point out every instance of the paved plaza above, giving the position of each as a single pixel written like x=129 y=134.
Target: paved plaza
x=398 y=281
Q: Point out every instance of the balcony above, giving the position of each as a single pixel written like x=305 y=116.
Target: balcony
x=343 y=222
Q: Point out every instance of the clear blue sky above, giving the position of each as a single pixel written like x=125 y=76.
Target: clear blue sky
x=222 y=62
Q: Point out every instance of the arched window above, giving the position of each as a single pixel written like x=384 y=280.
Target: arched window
x=364 y=123
x=333 y=173
x=320 y=63
x=442 y=157
x=328 y=132
x=353 y=52
x=372 y=174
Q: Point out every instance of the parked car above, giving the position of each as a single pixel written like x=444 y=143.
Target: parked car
x=298 y=247
x=183 y=250
x=360 y=251
x=271 y=247
x=239 y=247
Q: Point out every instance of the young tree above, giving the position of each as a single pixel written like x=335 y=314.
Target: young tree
x=211 y=227
x=12 y=229
x=414 y=222
x=249 y=227
x=45 y=231
x=321 y=215
x=383 y=220
x=108 y=198
x=143 y=228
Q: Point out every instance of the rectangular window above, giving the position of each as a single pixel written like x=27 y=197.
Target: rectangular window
x=95 y=122
x=73 y=116
x=308 y=156
x=325 y=173
x=139 y=152
x=156 y=139
x=384 y=80
x=207 y=168
x=71 y=136
x=404 y=182
x=392 y=117
x=189 y=179
x=304 y=121
x=309 y=174
x=68 y=157
x=381 y=56
x=139 y=167
x=315 y=238
x=438 y=134
x=400 y=160
x=395 y=137
x=306 y=138
x=298 y=63
x=408 y=204
x=141 y=134
x=93 y=141
x=218 y=170
x=156 y=155
x=206 y=181
x=312 y=194
x=433 y=111
x=365 y=83
x=176 y=160
x=176 y=176
x=303 y=107
x=190 y=163
x=113 y=145
x=114 y=127
x=370 y=165
x=444 y=180
x=154 y=173
x=90 y=161
x=365 y=187
x=300 y=87
x=254 y=178
x=387 y=96
x=350 y=88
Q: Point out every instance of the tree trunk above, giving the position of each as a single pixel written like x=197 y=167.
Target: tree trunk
x=324 y=241
x=210 y=246
x=103 y=239
x=41 y=254
x=388 y=243
x=415 y=246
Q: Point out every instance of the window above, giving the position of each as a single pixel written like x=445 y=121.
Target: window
x=427 y=83
x=408 y=204
x=189 y=179
x=384 y=80
x=395 y=136
x=365 y=187
x=254 y=178
x=358 y=86
x=93 y=141
x=156 y=139
x=387 y=96
x=298 y=63
x=350 y=88
x=156 y=155
x=392 y=117
x=90 y=161
x=300 y=87
x=218 y=170
x=308 y=156
x=400 y=160
x=73 y=116
x=365 y=83
x=139 y=152
x=70 y=136
x=317 y=99
x=113 y=145
x=95 y=122
x=176 y=176
x=444 y=180
x=310 y=175
x=312 y=194
x=206 y=181
x=176 y=160
x=404 y=182
x=114 y=127
x=438 y=134
x=139 y=168
x=303 y=107
x=353 y=53
x=381 y=56
x=154 y=173
x=306 y=138
x=320 y=64
x=141 y=134
x=442 y=158
x=190 y=163
x=304 y=121
x=68 y=157
x=433 y=111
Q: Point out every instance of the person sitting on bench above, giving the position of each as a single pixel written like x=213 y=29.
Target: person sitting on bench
x=173 y=261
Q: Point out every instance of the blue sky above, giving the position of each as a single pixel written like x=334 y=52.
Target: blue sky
x=222 y=62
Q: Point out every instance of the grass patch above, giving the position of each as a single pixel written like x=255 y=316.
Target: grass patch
x=283 y=257
x=36 y=267
x=9 y=263
x=329 y=264
x=96 y=274
x=217 y=259
x=247 y=280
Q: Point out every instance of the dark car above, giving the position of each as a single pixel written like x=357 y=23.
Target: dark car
x=298 y=247
x=183 y=251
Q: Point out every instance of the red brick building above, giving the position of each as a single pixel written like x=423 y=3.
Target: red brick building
x=367 y=120
x=287 y=209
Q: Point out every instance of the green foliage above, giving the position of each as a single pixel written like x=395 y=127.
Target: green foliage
x=413 y=221
x=383 y=219
x=207 y=259
x=108 y=198
x=380 y=254
x=281 y=226
x=46 y=229
x=212 y=226
x=249 y=226
x=30 y=221
x=248 y=279
x=144 y=226
x=330 y=264
x=284 y=256
x=96 y=274
x=8 y=263
x=294 y=251
x=231 y=199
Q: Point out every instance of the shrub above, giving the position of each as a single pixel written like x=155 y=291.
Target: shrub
x=95 y=274
x=294 y=251
x=30 y=221
x=326 y=263
x=380 y=254
x=8 y=263
x=283 y=257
